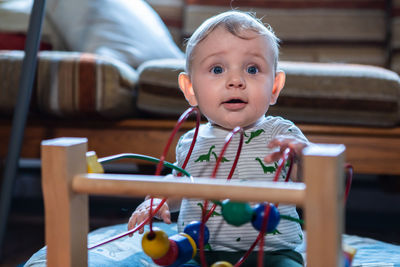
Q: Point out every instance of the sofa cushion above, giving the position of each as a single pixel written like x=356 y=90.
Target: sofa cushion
x=129 y=31
x=395 y=40
x=158 y=89
x=71 y=84
x=314 y=93
x=311 y=31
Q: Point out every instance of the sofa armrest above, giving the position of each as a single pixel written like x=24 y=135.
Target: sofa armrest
x=71 y=84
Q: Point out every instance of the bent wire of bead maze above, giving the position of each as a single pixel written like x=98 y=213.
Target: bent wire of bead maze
x=293 y=193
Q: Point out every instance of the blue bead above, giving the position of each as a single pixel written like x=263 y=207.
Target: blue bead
x=193 y=229
x=185 y=250
x=273 y=217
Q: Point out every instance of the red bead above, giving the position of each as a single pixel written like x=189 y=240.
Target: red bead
x=171 y=255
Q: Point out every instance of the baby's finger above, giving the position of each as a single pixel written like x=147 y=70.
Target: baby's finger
x=142 y=218
x=275 y=156
x=131 y=223
x=166 y=216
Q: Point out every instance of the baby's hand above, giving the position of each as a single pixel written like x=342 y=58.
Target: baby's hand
x=142 y=213
x=283 y=143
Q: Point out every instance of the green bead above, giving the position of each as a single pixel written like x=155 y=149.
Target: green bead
x=236 y=213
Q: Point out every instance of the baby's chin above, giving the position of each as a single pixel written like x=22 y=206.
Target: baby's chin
x=232 y=125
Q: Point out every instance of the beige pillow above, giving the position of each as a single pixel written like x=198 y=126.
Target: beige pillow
x=127 y=30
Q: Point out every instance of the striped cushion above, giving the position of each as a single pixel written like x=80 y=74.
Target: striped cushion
x=158 y=89
x=316 y=31
x=72 y=84
x=314 y=93
x=395 y=42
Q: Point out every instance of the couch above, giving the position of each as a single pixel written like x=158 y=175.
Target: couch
x=108 y=71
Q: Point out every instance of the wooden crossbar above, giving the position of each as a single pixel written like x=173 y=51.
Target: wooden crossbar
x=66 y=187
x=204 y=188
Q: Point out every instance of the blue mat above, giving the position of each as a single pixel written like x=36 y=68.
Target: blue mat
x=127 y=251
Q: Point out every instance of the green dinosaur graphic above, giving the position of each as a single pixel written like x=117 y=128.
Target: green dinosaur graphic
x=214 y=213
x=205 y=157
x=276 y=232
x=216 y=157
x=253 y=135
x=266 y=169
x=207 y=247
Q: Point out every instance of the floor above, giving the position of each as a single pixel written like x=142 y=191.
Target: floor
x=371 y=211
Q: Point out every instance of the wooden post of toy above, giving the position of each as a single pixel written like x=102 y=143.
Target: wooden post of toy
x=66 y=212
x=323 y=173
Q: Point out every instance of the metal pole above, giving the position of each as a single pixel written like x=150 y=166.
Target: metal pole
x=26 y=80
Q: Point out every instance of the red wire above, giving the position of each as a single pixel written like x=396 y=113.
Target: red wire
x=259 y=237
x=281 y=163
x=205 y=216
x=262 y=233
x=142 y=224
x=179 y=123
x=349 y=178
x=288 y=153
x=181 y=119
x=228 y=139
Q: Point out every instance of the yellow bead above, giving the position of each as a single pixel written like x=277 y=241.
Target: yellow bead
x=92 y=163
x=222 y=264
x=194 y=246
x=155 y=244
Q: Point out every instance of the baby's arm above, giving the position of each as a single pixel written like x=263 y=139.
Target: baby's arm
x=141 y=213
x=283 y=143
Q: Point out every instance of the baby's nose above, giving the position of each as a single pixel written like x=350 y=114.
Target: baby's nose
x=236 y=81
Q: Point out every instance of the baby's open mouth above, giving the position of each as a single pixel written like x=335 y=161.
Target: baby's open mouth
x=234 y=101
x=234 y=104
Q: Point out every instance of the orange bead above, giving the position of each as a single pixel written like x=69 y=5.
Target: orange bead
x=155 y=244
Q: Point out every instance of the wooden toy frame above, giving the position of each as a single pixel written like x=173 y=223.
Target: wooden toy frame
x=66 y=186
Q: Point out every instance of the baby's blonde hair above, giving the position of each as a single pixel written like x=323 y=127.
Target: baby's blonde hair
x=234 y=22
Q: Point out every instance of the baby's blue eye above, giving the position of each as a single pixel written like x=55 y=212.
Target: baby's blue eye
x=217 y=70
x=252 y=69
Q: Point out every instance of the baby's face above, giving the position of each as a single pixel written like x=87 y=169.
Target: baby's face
x=233 y=78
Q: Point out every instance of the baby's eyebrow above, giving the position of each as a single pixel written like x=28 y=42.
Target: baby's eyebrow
x=257 y=55
x=212 y=55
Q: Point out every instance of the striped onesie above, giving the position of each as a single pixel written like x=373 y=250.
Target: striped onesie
x=210 y=140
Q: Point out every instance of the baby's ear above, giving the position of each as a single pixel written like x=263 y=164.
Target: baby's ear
x=279 y=82
x=186 y=87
